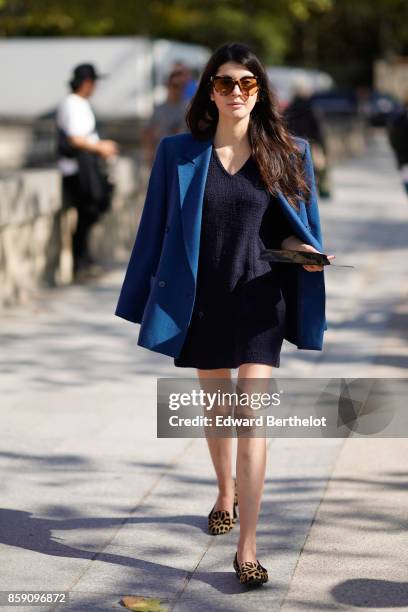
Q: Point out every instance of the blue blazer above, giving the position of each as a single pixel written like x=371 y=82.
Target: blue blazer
x=159 y=287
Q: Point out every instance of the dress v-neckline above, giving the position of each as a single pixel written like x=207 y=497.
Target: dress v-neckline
x=224 y=169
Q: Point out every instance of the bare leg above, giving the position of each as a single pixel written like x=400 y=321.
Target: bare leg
x=220 y=448
x=251 y=465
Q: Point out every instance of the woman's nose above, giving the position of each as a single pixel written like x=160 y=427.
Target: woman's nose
x=236 y=90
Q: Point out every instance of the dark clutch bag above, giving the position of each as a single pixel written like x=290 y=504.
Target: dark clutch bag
x=297 y=257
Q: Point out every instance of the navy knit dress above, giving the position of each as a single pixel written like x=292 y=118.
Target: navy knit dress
x=239 y=312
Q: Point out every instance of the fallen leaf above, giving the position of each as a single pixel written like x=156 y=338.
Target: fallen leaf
x=136 y=603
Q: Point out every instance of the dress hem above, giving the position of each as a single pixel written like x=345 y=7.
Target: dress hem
x=250 y=358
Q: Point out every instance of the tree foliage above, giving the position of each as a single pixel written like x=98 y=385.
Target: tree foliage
x=342 y=35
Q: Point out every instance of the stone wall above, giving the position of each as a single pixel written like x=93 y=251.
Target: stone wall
x=36 y=232
x=33 y=234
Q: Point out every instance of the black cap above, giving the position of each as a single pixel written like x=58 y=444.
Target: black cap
x=87 y=71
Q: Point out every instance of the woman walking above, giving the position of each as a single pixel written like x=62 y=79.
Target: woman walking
x=239 y=182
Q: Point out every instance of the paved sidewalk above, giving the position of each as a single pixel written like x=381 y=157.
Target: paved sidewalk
x=94 y=504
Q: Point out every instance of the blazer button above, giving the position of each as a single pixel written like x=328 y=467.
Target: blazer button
x=201 y=314
x=167 y=228
x=162 y=283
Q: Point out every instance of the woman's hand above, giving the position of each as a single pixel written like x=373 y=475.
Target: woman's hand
x=294 y=244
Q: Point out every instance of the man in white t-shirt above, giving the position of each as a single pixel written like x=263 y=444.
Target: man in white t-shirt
x=77 y=133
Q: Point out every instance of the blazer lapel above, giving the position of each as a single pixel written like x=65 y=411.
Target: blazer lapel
x=302 y=232
x=192 y=169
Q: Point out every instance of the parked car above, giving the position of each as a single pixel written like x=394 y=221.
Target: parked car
x=337 y=101
x=380 y=107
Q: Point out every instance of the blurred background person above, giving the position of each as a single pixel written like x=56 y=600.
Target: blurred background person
x=169 y=116
x=304 y=120
x=191 y=76
x=398 y=137
x=192 y=83
x=85 y=183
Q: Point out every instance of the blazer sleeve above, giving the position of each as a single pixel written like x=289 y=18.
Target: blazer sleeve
x=312 y=208
x=148 y=243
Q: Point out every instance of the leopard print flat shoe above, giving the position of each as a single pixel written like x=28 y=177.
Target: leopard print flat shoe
x=220 y=521
x=250 y=573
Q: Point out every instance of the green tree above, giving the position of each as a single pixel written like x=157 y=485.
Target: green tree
x=342 y=36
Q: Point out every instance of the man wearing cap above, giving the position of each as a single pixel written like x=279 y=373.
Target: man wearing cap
x=80 y=150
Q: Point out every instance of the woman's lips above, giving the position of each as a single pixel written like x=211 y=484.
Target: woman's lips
x=236 y=104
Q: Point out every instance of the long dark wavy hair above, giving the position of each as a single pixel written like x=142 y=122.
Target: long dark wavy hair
x=273 y=148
